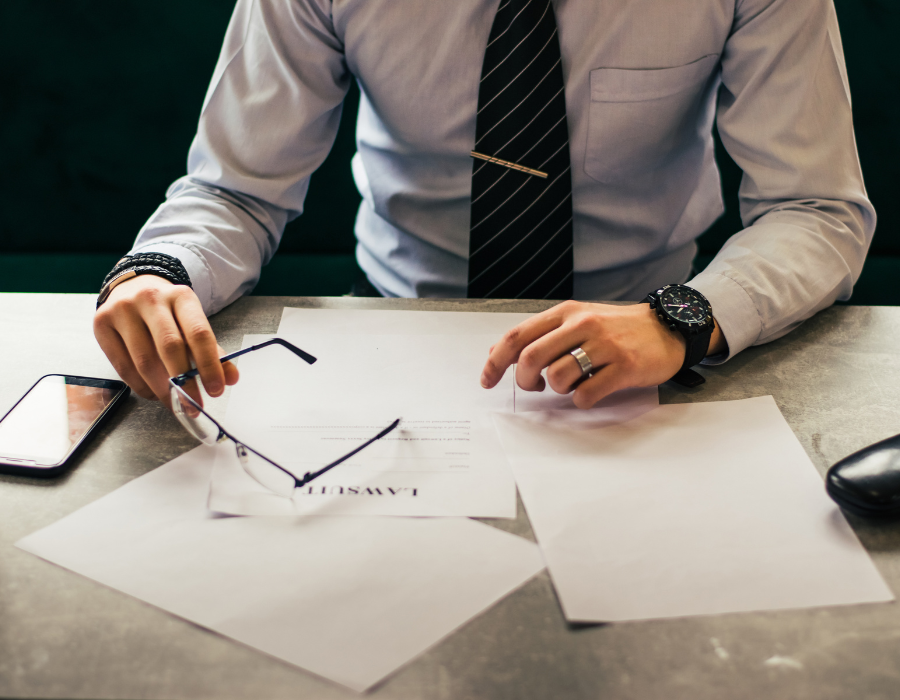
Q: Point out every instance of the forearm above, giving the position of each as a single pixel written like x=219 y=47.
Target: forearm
x=268 y=121
x=790 y=264
x=222 y=238
x=785 y=117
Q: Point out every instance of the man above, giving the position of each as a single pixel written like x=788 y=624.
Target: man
x=629 y=182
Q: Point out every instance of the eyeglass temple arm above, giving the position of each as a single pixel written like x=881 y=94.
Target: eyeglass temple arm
x=314 y=475
x=302 y=354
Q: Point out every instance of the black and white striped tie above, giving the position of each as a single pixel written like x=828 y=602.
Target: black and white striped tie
x=520 y=243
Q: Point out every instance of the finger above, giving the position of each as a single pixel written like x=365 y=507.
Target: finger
x=565 y=374
x=231 y=373
x=140 y=346
x=112 y=345
x=545 y=351
x=167 y=336
x=506 y=352
x=599 y=385
x=201 y=341
x=170 y=345
x=229 y=368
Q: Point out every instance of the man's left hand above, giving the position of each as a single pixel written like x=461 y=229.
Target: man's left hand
x=627 y=345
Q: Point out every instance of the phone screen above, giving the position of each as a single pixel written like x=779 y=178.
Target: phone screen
x=53 y=417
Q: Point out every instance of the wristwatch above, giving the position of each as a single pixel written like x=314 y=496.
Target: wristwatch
x=687 y=311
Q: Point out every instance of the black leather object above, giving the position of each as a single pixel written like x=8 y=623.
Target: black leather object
x=867 y=482
x=150 y=262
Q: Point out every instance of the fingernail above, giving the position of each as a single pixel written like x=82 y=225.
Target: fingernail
x=484 y=382
x=214 y=389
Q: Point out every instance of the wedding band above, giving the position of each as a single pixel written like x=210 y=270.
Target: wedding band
x=583 y=361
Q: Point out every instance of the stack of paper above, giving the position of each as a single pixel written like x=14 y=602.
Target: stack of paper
x=373 y=367
x=641 y=511
x=350 y=599
x=444 y=460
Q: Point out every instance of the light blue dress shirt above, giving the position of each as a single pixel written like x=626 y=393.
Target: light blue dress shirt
x=645 y=80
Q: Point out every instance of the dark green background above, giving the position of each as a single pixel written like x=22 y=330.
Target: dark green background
x=99 y=102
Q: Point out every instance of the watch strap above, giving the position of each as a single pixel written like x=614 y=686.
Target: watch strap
x=688 y=378
x=697 y=347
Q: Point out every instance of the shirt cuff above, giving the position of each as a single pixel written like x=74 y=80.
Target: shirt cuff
x=734 y=311
x=193 y=262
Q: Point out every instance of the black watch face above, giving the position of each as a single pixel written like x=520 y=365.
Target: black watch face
x=684 y=304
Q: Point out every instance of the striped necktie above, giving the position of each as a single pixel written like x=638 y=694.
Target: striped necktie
x=520 y=243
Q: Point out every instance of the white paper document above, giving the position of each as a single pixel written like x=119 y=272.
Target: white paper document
x=445 y=458
x=381 y=322
x=349 y=599
x=686 y=509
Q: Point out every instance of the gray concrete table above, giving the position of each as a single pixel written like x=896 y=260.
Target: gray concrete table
x=836 y=379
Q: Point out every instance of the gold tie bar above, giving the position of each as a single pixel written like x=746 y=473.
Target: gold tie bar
x=507 y=164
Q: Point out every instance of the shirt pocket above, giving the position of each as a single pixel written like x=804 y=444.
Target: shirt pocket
x=639 y=120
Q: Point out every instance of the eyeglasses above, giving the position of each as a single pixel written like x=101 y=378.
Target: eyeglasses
x=263 y=470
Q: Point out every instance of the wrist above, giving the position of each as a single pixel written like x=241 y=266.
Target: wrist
x=156 y=264
x=686 y=311
x=717 y=342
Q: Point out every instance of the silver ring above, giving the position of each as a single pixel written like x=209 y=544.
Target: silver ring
x=583 y=361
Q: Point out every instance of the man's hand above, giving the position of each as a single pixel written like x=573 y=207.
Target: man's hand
x=627 y=345
x=150 y=329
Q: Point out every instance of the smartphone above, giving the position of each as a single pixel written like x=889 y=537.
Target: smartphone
x=52 y=420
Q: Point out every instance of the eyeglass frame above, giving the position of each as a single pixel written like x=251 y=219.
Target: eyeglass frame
x=179 y=381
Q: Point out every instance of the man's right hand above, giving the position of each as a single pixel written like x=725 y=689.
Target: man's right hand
x=150 y=329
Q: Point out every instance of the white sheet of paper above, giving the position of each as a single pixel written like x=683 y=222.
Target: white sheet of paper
x=359 y=321
x=349 y=599
x=687 y=509
x=444 y=460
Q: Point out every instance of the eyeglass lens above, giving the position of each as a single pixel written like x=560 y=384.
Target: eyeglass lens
x=196 y=423
x=265 y=473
